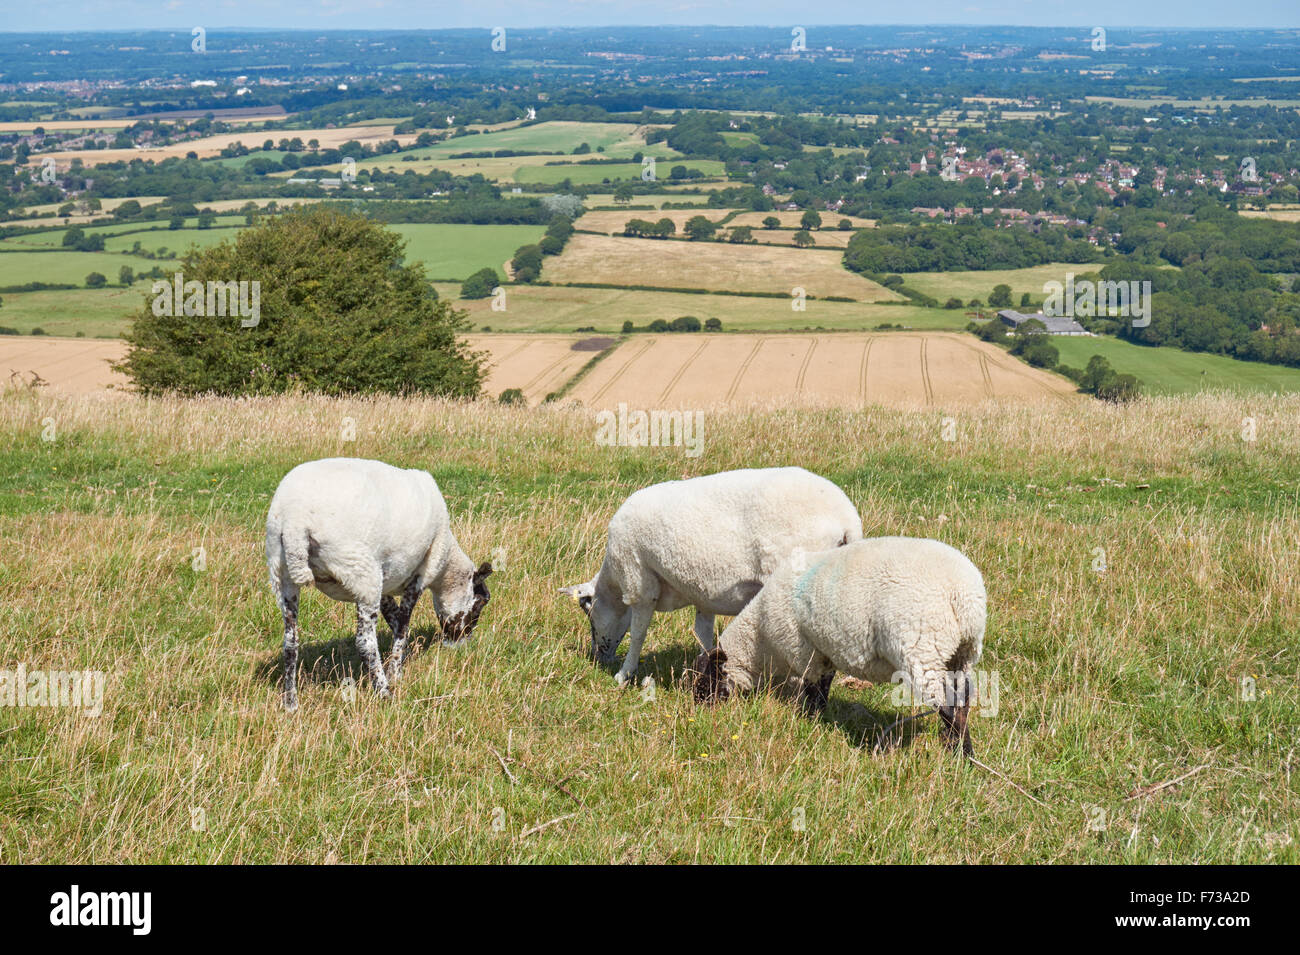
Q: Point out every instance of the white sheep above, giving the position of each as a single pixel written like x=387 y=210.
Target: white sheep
x=709 y=543
x=364 y=532
x=880 y=609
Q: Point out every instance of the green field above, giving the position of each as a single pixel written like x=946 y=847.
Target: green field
x=1172 y=371
x=71 y=268
x=588 y=174
x=95 y=313
x=618 y=139
x=457 y=251
x=1119 y=694
x=969 y=285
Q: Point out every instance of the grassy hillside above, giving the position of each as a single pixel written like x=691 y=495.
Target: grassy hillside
x=1112 y=683
x=1172 y=371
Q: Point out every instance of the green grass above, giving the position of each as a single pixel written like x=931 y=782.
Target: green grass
x=553 y=137
x=1172 y=371
x=586 y=175
x=173 y=240
x=451 y=251
x=969 y=285
x=19 y=268
x=95 y=313
x=1110 y=683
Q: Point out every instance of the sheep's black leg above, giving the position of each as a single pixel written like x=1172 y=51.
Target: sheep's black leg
x=956 y=720
x=401 y=624
x=388 y=610
x=815 y=696
x=289 y=610
x=368 y=644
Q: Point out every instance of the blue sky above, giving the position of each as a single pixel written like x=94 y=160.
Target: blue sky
x=60 y=15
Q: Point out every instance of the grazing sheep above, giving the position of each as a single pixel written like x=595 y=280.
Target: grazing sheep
x=364 y=532
x=709 y=543
x=877 y=609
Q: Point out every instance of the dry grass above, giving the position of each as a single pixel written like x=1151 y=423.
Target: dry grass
x=1109 y=681
x=710 y=265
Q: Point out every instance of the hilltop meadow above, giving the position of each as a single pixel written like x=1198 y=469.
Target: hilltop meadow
x=1140 y=563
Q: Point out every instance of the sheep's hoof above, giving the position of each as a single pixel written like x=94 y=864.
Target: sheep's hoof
x=624 y=679
x=291 y=706
x=384 y=693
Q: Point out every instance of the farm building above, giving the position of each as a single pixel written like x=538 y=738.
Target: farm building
x=1056 y=324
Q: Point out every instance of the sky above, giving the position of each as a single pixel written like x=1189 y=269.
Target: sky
x=63 y=15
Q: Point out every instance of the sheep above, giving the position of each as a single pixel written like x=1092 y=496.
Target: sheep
x=365 y=532
x=878 y=609
x=709 y=543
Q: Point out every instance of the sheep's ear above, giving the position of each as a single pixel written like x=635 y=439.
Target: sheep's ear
x=584 y=594
x=484 y=569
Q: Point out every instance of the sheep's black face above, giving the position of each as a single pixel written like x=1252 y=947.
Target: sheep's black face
x=712 y=685
x=462 y=625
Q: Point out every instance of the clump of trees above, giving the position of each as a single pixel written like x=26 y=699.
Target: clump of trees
x=480 y=284
x=1101 y=380
x=686 y=323
x=339 y=310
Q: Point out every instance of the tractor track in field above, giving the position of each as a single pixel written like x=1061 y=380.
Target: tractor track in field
x=925 y=373
x=600 y=393
x=541 y=375
x=744 y=367
x=672 y=382
x=1021 y=371
x=803 y=368
x=862 y=370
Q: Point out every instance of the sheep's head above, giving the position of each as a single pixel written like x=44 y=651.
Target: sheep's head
x=608 y=619
x=712 y=685
x=459 y=624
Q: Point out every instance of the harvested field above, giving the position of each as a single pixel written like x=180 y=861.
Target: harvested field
x=612 y=223
x=709 y=265
x=535 y=364
x=790 y=220
x=209 y=146
x=894 y=369
x=69 y=365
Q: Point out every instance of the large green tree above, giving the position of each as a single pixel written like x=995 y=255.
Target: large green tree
x=338 y=310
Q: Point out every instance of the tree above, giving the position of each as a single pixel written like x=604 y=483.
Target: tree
x=698 y=227
x=339 y=311
x=803 y=238
x=1000 y=297
x=127 y=209
x=623 y=193
x=741 y=234
x=480 y=284
x=771 y=222
x=845 y=225
x=687 y=323
x=125 y=275
x=811 y=220
x=527 y=263
x=713 y=324
x=96 y=280
x=1026 y=301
